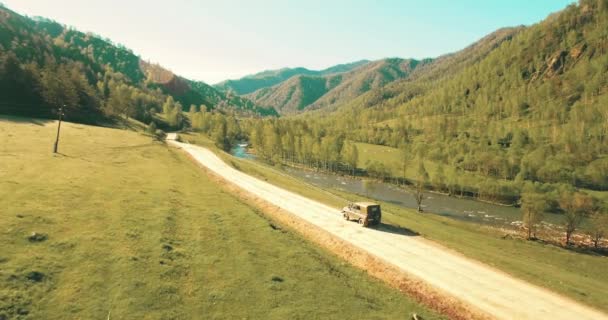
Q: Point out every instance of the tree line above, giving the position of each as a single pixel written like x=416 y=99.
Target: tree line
x=575 y=207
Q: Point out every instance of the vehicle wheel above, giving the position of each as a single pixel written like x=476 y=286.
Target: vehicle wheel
x=360 y=221
x=345 y=216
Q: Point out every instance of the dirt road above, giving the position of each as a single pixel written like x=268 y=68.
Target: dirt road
x=491 y=291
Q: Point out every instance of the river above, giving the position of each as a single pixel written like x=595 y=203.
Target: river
x=240 y=151
x=463 y=209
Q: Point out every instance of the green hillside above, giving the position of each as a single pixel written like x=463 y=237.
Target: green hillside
x=271 y=78
x=296 y=93
x=123 y=227
x=291 y=91
x=189 y=92
x=523 y=110
x=312 y=92
x=45 y=65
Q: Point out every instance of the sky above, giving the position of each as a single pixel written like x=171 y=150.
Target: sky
x=227 y=39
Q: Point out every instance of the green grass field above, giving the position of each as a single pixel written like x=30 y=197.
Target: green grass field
x=391 y=158
x=135 y=230
x=580 y=276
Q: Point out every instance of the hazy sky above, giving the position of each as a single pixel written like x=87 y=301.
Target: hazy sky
x=221 y=39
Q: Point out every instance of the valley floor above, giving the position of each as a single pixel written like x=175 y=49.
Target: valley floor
x=119 y=226
x=579 y=276
x=480 y=286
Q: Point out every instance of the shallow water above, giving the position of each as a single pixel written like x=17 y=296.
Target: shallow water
x=240 y=151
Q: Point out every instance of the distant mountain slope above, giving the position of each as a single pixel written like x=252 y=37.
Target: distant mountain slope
x=449 y=64
x=189 y=92
x=270 y=78
x=426 y=73
x=309 y=92
x=45 y=65
x=369 y=77
x=523 y=109
x=294 y=94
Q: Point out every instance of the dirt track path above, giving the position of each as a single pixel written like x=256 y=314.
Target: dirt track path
x=491 y=291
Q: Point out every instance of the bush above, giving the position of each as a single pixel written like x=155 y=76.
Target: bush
x=151 y=128
x=160 y=135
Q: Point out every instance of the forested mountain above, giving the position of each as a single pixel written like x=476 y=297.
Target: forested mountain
x=189 y=92
x=523 y=110
x=452 y=63
x=313 y=92
x=45 y=65
x=270 y=78
x=302 y=89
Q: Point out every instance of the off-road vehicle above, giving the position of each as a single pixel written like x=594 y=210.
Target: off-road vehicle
x=365 y=213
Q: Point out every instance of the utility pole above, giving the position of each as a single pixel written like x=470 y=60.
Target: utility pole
x=58 y=128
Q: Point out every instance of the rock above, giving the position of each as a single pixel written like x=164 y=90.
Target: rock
x=556 y=64
x=577 y=51
x=37 y=237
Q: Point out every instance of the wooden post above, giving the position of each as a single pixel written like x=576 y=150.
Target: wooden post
x=58 y=129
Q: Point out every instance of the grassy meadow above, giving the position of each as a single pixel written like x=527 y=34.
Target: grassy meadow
x=118 y=226
x=391 y=158
x=579 y=276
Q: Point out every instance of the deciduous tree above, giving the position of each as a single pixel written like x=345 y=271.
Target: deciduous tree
x=599 y=226
x=533 y=207
x=422 y=178
x=575 y=206
x=350 y=155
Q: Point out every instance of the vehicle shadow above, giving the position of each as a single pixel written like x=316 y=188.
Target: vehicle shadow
x=599 y=252
x=580 y=249
x=395 y=229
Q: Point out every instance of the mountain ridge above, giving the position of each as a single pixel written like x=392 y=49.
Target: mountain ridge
x=269 y=78
x=302 y=92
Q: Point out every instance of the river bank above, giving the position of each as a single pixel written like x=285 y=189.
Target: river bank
x=501 y=217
